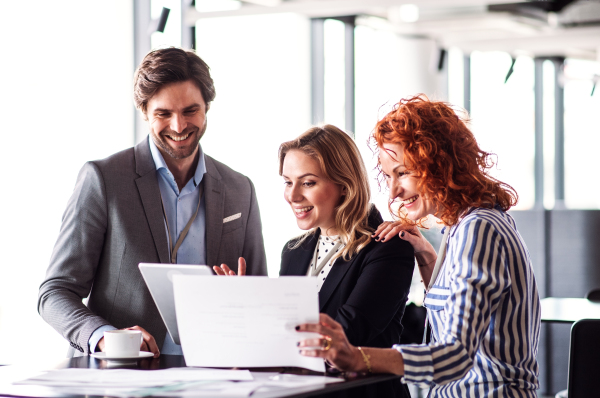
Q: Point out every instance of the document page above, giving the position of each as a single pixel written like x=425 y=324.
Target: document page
x=132 y=378
x=245 y=321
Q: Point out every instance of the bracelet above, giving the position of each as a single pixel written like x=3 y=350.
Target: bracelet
x=366 y=358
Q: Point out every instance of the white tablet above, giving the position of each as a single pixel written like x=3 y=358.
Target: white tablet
x=159 y=279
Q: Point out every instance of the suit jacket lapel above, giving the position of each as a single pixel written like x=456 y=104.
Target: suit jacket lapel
x=338 y=270
x=214 y=209
x=149 y=190
x=302 y=256
x=340 y=267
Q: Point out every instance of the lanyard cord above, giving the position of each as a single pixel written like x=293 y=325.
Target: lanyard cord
x=174 y=250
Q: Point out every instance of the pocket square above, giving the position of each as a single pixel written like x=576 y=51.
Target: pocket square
x=231 y=218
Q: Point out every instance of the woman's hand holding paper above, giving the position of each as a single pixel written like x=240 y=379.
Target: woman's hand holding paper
x=332 y=345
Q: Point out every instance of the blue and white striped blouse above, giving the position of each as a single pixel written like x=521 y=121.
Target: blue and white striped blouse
x=484 y=312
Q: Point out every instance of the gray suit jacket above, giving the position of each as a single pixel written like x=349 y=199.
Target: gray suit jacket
x=113 y=222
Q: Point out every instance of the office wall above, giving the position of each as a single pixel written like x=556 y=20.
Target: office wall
x=566 y=263
x=65 y=98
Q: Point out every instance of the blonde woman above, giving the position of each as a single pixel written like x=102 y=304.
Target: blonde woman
x=363 y=284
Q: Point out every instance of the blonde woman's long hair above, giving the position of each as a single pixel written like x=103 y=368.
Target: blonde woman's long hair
x=341 y=163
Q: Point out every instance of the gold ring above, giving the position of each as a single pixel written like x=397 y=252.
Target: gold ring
x=327 y=344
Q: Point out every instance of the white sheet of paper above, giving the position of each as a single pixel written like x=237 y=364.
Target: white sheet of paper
x=132 y=378
x=175 y=382
x=264 y=385
x=245 y=321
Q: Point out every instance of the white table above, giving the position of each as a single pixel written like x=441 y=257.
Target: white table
x=568 y=310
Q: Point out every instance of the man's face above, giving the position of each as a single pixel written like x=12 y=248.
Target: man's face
x=177 y=118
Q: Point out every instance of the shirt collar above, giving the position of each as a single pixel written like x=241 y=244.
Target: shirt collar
x=160 y=163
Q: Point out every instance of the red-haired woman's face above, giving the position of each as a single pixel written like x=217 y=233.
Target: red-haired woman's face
x=403 y=186
x=313 y=197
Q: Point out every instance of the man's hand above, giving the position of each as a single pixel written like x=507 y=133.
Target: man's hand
x=148 y=342
x=224 y=270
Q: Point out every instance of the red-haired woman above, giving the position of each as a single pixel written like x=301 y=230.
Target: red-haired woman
x=482 y=300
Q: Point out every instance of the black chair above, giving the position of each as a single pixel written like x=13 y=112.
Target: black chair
x=584 y=359
x=413 y=321
x=593 y=295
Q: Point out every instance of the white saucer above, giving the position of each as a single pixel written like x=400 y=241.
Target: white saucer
x=140 y=355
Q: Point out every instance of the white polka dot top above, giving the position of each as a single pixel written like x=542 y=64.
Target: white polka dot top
x=321 y=263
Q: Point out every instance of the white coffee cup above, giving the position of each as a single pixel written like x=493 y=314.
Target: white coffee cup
x=122 y=343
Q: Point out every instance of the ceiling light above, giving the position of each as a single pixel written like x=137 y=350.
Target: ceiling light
x=408 y=13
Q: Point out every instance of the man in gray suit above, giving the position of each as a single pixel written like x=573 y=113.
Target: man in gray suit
x=162 y=201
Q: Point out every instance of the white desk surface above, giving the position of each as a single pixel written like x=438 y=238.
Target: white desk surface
x=568 y=310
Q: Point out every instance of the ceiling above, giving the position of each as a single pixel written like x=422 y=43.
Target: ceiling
x=535 y=28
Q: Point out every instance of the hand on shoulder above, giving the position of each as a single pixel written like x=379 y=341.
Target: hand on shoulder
x=410 y=233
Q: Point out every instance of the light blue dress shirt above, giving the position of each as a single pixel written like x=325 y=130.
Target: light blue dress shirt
x=179 y=208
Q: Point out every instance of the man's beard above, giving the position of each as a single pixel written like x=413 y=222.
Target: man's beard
x=180 y=153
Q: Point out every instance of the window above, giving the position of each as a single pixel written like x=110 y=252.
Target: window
x=66 y=98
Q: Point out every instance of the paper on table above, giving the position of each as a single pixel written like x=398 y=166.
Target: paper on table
x=171 y=382
x=271 y=387
x=132 y=378
x=245 y=322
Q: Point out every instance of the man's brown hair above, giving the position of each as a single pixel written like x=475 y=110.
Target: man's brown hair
x=170 y=65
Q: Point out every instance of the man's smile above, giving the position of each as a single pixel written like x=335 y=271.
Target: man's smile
x=179 y=138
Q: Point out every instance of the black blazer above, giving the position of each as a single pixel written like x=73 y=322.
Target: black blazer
x=367 y=294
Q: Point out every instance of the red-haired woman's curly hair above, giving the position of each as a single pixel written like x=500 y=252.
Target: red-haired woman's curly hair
x=442 y=152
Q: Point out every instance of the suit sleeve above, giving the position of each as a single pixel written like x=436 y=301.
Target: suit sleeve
x=380 y=292
x=74 y=261
x=254 y=247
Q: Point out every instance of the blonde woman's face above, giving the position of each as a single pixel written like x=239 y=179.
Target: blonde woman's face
x=312 y=197
x=403 y=186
